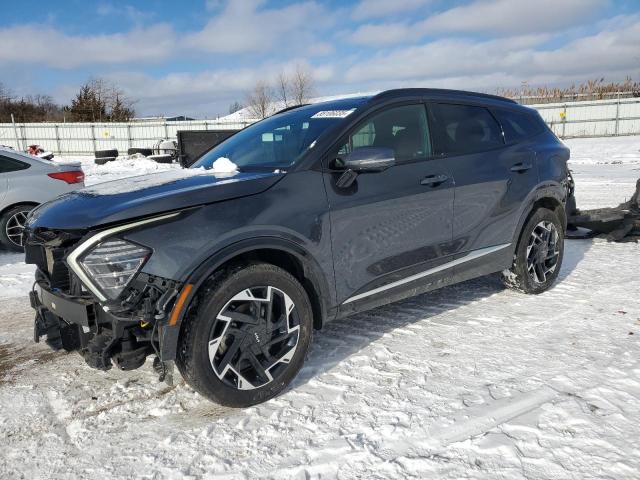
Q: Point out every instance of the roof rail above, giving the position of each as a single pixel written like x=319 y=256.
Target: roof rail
x=439 y=91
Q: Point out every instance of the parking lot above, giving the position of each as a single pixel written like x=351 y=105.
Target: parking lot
x=471 y=381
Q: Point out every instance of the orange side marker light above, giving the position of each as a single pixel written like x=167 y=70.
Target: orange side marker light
x=177 y=308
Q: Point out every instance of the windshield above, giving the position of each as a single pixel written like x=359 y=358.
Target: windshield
x=281 y=140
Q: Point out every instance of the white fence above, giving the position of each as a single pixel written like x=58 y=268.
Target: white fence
x=600 y=118
x=86 y=138
x=573 y=119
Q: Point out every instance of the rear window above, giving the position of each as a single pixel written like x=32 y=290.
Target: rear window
x=10 y=165
x=461 y=129
x=518 y=125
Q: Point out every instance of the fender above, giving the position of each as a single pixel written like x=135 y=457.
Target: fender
x=551 y=190
x=169 y=334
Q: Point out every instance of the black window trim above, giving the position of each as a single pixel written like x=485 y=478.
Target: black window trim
x=470 y=104
x=23 y=165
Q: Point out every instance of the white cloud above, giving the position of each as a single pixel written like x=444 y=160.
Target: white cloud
x=383 y=34
x=245 y=26
x=381 y=8
x=49 y=47
x=612 y=53
x=512 y=16
x=491 y=17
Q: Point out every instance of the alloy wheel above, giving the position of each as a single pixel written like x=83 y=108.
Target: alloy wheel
x=543 y=251
x=15 y=226
x=254 y=337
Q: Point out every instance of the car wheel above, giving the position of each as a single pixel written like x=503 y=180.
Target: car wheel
x=12 y=225
x=106 y=153
x=248 y=335
x=538 y=257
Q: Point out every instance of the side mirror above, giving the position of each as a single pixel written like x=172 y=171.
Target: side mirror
x=369 y=159
x=363 y=160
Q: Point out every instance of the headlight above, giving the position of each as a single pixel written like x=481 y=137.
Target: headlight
x=112 y=264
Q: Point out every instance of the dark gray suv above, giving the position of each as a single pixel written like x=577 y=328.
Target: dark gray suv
x=328 y=209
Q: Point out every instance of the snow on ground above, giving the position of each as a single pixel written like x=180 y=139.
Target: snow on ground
x=471 y=381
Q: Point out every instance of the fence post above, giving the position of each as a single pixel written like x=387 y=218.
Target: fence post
x=564 y=120
x=128 y=136
x=617 y=114
x=55 y=129
x=166 y=130
x=93 y=135
x=15 y=132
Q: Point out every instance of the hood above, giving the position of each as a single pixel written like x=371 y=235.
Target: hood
x=146 y=195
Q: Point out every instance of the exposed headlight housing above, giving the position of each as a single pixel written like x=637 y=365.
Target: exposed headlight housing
x=112 y=264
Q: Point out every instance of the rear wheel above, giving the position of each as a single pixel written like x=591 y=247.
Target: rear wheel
x=248 y=337
x=538 y=257
x=12 y=225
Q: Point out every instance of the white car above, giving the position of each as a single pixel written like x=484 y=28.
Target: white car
x=26 y=182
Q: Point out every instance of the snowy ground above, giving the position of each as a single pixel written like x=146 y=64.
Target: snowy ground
x=472 y=381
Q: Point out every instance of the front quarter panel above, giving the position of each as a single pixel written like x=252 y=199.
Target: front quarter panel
x=294 y=210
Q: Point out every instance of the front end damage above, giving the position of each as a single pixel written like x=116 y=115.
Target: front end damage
x=123 y=327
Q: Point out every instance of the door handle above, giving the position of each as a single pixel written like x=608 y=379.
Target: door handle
x=521 y=167
x=434 y=180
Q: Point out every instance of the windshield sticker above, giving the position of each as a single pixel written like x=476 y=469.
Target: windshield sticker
x=333 y=113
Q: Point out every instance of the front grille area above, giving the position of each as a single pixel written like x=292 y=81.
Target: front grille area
x=47 y=253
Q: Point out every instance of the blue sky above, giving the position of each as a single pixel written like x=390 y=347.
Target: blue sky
x=196 y=57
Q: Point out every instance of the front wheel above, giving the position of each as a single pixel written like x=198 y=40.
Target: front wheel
x=538 y=256
x=248 y=337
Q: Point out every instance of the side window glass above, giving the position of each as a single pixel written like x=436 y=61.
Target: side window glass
x=403 y=129
x=10 y=165
x=516 y=125
x=464 y=129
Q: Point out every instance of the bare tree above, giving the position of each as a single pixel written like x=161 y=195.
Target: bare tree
x=260 y=100
x=235 y=106
x=296 y=87
x=302 y=85
x=284 y=88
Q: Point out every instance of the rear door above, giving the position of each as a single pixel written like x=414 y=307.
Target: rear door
x=387 y=226
x=493 y=178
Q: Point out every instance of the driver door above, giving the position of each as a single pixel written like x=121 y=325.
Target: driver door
x=389 y=226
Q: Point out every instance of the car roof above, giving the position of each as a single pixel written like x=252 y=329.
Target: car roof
x=400 y=93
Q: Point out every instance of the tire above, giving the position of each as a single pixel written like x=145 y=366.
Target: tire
x=161 y=158
x=143 y=151
x=538 y=257
x=10 y=227
x=106 y=153
x=103 y=160
x=235 y=381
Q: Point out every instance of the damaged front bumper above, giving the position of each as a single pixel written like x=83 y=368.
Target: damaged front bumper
x=102 y=337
